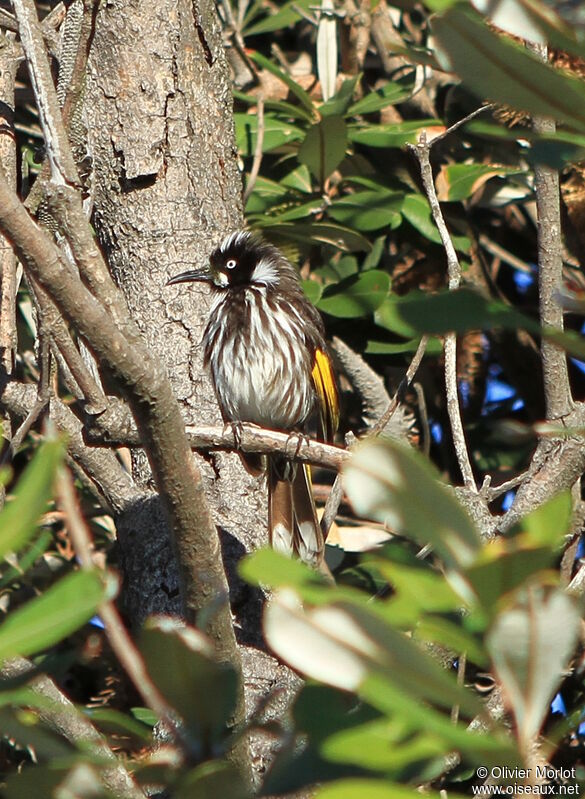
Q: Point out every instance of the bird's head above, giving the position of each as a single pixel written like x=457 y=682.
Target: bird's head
x=242 y=259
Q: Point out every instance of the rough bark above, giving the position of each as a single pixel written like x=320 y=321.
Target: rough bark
x=166 y=189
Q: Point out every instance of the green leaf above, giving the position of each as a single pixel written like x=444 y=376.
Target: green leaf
x=339 y=103
x=307 y=234
x=390 y=94
x=391 y=135
x=343 y=643
x=280 y=107
x=496 y=68
x=212 y=780
x=417 y=211
x=356 y=296
x=324 y=147
x=298 y=180
x=313 y=290
x=393 y=484
x=19 y=519
x=457 y=182
x=112 y=720
x=530 y=646
x=285 y=16
x=434 y=346
x=383 y=693
x=180 y=661
x=296 y=90
x=385 y=745
x=276 y=133
x=61 y=610
x=373 y=258
x=462 y=310
x=550 y=523
x=368 y=210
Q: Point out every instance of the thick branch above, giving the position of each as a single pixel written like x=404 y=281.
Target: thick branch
x=550 y=273
x=154 y=408
x=112 y=485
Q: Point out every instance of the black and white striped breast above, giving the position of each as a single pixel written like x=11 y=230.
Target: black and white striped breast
x=260 y=359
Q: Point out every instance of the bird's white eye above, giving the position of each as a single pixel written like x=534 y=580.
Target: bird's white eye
x=231 y=264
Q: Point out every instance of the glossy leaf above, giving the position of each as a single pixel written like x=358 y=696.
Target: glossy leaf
x=456 y=182
x=530 y=646
x=497 y=68
x=384 y=745
x=391 y=135
x=342 y=643
x=49 y=618
x=392 y=484
x=355 y=296
x=276 y=133
x=312 y=290
x=308 y=233
x=280 y=107
x=390 y=94
x=20 y=516
x=323 y=148
x=416 y=210
x=368 y=210
x=341 y=100
x=286 y=15
x=180 y=661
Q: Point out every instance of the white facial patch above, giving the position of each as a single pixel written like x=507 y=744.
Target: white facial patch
x=265 y=272
x=221 y=279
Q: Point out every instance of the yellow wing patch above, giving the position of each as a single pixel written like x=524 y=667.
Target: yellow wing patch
x=326 y=388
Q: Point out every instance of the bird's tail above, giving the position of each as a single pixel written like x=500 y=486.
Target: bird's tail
x=292 y=516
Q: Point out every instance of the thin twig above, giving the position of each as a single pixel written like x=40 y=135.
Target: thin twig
x=400 y=391
x=422 y=151
x=335 y=496
x=63 y=169
x=122 y=645
x=258 y=153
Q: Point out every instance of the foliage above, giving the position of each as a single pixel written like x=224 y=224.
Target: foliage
x=382 y=713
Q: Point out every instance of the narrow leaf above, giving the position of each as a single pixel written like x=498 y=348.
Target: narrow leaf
x=496 y=68
x=356 y=296
x=61 y=610
x=19 y=519
x=327 y=49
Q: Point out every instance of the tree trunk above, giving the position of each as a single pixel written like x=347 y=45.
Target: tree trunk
x=166 y=188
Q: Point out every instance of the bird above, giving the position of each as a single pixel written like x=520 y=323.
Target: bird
x=264 y=344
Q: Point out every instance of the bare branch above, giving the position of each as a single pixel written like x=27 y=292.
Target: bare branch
x=121 y=643
x=111 y=483
x=63 y=169
x=422 y=151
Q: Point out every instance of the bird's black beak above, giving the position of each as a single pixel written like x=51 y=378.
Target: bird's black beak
x=201 y=275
